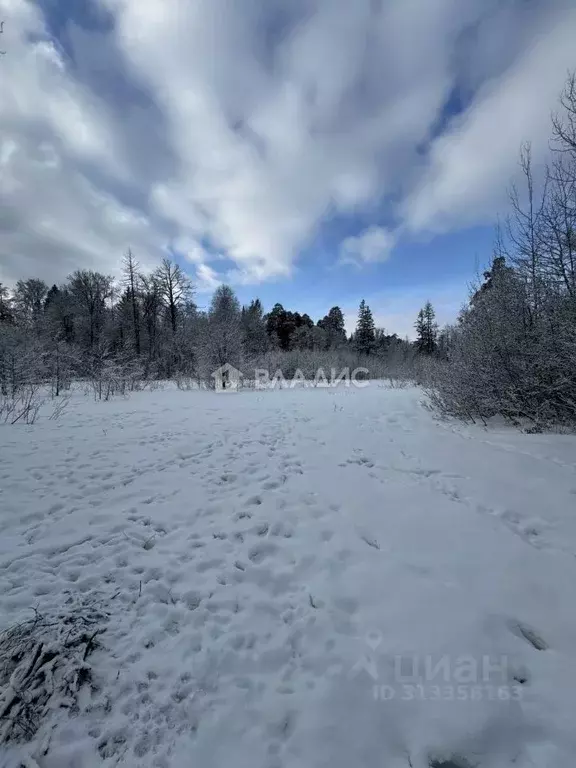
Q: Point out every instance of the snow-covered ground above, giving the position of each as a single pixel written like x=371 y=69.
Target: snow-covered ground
x=275 y=564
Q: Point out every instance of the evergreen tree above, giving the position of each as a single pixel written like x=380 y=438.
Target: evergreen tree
x=130 y=270
x=426 y=330
x=59 y=314
x=494 y=276
x=383 y=341
x=282 y=325
x=122 y=326
x=333 y=324
x=365 y=336
x=6 y=315
x=276 y=326
x=151 y=294
x=254 y=329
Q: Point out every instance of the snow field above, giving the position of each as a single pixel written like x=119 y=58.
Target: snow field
x=264 y=557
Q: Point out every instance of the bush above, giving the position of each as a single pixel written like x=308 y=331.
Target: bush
x=43 y=665
x=503 y=361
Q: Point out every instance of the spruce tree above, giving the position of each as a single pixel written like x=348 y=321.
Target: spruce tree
x=130 y=274
x=426 y=330
x=6 y=315
x=365 y=336
x=254 y=330
x=333 y=324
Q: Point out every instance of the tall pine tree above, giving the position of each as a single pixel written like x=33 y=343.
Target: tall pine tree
x=254 y=330
x=6 y=315
x=333 y=324
x=130 y=275
x=426 y=330
x=365 y=335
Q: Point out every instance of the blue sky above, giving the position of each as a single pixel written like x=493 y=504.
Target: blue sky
x=315 y=152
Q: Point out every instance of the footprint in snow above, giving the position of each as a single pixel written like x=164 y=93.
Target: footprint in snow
x=271 y=485
x=259 y=552
x=254 y=501
x=524 y=632
x=207 y=565
x=455 y=761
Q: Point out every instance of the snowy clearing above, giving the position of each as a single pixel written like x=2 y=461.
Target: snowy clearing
x=273 y=565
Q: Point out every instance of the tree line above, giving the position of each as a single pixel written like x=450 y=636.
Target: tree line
x=147 y=326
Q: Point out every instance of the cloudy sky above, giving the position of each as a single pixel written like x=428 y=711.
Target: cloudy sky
x=308 y=151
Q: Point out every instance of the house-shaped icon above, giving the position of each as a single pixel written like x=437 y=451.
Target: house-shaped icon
x=227 y=378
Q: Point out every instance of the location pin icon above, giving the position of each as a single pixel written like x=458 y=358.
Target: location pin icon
x=373 y=639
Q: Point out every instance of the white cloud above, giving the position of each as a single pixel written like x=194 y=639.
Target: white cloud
x=373 y=245
x=207 y=279
x=473 y=162
x=267 y=145
x=55 y=218
x=307 y=108
x=192 y=251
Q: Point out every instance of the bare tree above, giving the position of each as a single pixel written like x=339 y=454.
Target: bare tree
x=558 y=234
x=564 y=123
x=29 y=298
x=89 y=291
x=561 y=209
x=525 y=230
x=175 y=290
